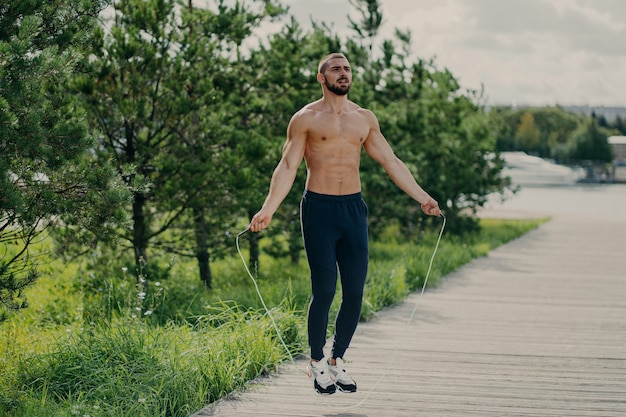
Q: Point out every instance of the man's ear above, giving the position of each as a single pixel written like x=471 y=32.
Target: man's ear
x=320 y=78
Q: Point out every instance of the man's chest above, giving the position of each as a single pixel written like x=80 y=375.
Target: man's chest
x=346 y=128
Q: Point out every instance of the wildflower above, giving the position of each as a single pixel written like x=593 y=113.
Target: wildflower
x=141 y=295
x=148 y=313
x=142 y=400
x=124 y=269
x=157 y=284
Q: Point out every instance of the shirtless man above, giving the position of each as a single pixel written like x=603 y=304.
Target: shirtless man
x=329 y=134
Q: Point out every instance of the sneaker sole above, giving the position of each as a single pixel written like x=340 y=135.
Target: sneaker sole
x=325 y=393
x=350 y=390
x=318 y=389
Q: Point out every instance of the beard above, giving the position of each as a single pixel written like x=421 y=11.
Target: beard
x=337 y=89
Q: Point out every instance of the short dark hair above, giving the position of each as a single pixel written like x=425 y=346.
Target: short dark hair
x=324 y=62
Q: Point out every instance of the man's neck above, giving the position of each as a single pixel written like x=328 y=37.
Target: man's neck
x=335 y=103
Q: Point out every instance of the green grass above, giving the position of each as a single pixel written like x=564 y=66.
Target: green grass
x=94 y=345
x=128 y=367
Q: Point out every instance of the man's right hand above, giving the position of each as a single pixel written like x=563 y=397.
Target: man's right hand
x=260 y=221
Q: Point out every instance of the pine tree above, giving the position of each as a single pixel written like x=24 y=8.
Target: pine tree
x=590 y=143
x=164 y=88
x=437 y=128
x=46 y=176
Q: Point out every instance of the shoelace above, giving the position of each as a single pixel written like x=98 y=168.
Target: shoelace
x=324 y=374
x=340 y=372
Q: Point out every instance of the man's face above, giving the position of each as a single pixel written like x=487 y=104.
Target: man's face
x=338 y=76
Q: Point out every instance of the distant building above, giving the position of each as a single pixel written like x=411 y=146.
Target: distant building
x=618 y=143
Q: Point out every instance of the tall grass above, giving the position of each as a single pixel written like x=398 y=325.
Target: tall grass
x=102 y=346
x=128 y=367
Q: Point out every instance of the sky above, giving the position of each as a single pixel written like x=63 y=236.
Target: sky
x=523 y=52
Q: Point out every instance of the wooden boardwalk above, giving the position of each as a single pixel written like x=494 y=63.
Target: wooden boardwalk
x=537 y=328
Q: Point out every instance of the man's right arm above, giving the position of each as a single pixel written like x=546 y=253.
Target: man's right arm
x=284 y=174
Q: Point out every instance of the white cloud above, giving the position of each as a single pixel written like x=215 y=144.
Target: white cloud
x=528 y=52
x=331 y=12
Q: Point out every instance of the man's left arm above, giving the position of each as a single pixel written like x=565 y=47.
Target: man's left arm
x=379 y=149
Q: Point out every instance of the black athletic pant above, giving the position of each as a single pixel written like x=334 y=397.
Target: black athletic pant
x=334 y=229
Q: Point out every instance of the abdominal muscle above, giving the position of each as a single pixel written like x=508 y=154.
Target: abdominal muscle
x=332 y=174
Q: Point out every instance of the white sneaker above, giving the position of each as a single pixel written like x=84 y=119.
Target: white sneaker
x=322 y=381
x=343 y=381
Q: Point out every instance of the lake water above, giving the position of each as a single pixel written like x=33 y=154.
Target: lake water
x=601 y=200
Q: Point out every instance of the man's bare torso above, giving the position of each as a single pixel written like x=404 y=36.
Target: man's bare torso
x=333 y=148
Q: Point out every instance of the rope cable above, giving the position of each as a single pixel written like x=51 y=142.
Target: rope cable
x=393 y=357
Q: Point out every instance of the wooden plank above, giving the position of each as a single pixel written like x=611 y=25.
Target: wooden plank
x=537 y=328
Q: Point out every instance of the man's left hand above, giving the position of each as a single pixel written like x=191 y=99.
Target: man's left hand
x=431 y=207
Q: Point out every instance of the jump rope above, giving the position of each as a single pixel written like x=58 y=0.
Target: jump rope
x=282 y=341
